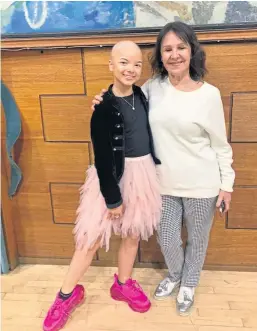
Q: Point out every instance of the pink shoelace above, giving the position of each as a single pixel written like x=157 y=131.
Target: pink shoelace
x=136 y=287
x=56 y=308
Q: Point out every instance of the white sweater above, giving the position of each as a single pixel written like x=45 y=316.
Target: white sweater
x=190 y=140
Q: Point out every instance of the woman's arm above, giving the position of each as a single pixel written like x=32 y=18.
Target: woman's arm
x=104 y=158
x=216 y=129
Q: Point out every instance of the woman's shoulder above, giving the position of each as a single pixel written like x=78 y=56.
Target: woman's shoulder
x=211 y=89
x=156 y=79
x=155 y=82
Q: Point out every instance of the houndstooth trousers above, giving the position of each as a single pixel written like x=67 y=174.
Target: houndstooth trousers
x=197 y=214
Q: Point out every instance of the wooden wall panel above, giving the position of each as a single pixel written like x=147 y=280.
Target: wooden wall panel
x=244 y=117
x=232 y=66
x=64 y=202
x=96 y=70
x=245 y=158
x=66 y=118
x=32 y=73
x=53 y=162
x=243 y=214
x=55 y=150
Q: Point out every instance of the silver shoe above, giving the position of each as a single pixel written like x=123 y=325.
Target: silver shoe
x=185 y=300
x=165 y=289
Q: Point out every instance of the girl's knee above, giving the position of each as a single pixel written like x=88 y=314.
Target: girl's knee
x=91 y=250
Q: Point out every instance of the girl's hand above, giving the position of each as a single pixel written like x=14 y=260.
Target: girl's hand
x=97 y=99
x=226 y=197
x=115 y=213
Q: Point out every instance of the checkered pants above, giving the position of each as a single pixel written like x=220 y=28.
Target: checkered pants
x=197 y=214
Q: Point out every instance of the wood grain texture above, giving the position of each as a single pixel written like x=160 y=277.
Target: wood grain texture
x=243 y=214
x=30 y=74
x=66 y=118
x=64 y=200
x=232 y=66
x=244 y=117
x=245 y=158
x=66 y=81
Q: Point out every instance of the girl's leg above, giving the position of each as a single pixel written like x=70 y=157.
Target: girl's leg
x=126 y=257
x=80 y=262
x=71 y=294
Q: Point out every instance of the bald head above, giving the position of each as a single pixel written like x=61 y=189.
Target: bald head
x=126 y=63
x=125 y=47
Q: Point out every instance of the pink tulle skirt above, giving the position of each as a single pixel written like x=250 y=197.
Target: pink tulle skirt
x=141 y=198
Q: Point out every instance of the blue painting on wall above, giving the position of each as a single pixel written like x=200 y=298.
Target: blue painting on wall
x=61 y=16
x=30 y=17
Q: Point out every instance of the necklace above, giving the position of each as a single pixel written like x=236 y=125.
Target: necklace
x=131 y=105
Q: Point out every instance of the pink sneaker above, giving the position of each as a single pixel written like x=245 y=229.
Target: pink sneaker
x=60 y=311
x=132 y=293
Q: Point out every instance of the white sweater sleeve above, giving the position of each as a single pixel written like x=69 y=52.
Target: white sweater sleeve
x=216 y=129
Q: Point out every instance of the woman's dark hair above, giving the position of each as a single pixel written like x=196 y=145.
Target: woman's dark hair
x=185 y=32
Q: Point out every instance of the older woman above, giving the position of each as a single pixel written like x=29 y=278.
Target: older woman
x=188 y=126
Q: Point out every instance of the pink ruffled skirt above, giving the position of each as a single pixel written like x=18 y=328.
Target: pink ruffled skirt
x=141 y=198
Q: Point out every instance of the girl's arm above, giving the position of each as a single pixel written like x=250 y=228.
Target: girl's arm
x=104 y=158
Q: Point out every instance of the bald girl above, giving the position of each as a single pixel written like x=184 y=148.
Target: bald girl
x=121 y=192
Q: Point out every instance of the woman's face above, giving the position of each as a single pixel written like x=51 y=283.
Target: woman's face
x=175 y=54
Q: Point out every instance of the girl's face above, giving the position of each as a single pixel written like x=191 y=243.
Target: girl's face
x=126 y=66
x=176 y=55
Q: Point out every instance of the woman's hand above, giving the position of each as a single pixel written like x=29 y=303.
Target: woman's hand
x=115 y=213
x=97 y=99
x=226 y=197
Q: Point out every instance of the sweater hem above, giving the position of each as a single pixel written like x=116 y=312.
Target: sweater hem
x=211 y=193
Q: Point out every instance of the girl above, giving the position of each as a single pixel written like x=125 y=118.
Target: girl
x=121 y=193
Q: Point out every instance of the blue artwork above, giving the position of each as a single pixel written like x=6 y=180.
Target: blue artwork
x=30 y=17
x=26 y=17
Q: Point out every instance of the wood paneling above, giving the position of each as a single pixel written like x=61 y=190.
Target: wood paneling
x=53 y=162
x=231 y=67
x=54 y=151
x=243 y=214
x=245 y=158
x=150 y=251
x=51 y=250
x=31 y=73
x=64 y=198
x=66 y=118
x=244 y=117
